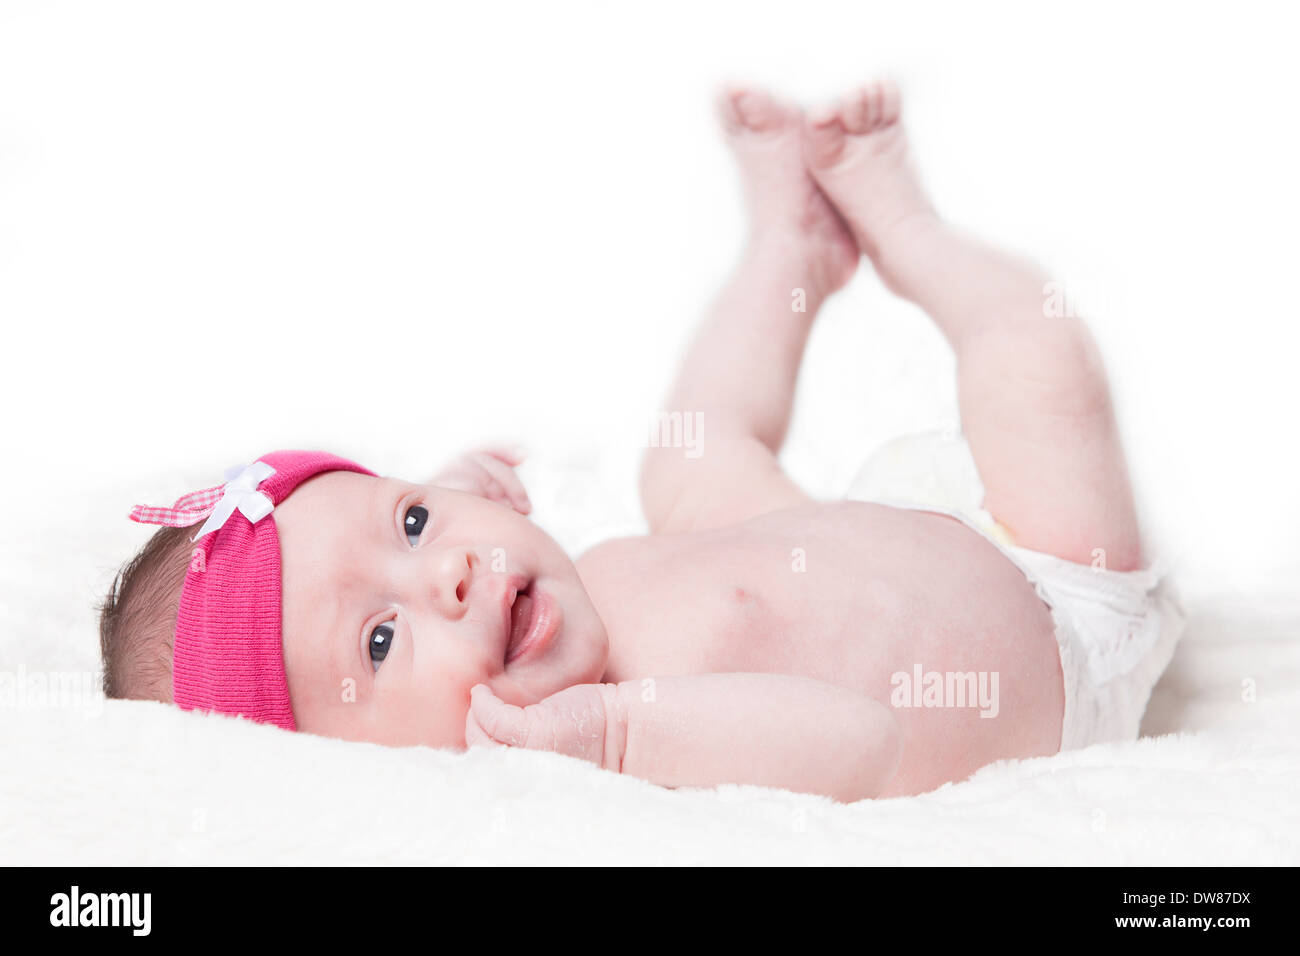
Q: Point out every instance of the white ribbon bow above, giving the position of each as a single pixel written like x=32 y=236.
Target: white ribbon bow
x=241 y=494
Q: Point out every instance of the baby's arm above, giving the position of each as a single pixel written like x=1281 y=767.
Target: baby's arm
x=770 y=730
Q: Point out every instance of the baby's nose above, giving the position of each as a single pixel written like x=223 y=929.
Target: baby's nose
x=453 y=572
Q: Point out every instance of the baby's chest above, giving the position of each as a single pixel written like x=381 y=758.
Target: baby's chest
x=836 y=594
x=766 y=605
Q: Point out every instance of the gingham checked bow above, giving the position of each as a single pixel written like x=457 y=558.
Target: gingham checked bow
x=216 y=504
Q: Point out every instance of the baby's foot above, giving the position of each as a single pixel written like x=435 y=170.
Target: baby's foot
x=788 y=213
x=858 y=154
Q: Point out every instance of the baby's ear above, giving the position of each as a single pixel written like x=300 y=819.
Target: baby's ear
x=488 y=473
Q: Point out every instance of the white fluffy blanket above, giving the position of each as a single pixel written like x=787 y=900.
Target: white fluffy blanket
x=95 y=782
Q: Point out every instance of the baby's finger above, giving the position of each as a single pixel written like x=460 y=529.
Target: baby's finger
x=490 y=488
x=512 y=455
x=460 y=476
x=475 y=735
x=498 y=720
x=509 y=482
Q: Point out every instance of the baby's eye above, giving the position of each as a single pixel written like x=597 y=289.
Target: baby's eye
x=381 y=639
x=416 y=518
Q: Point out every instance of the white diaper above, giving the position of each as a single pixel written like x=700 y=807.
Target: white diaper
x=1115 y=630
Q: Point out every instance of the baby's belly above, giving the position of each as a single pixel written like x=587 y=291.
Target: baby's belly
x=911 y=608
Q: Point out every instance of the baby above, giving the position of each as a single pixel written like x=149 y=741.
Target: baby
x=846 y=648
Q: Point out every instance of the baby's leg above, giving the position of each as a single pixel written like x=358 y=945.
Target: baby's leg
x=740 y=371
x=1035 y=405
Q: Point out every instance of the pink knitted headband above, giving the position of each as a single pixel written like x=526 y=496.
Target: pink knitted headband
x=228 y=656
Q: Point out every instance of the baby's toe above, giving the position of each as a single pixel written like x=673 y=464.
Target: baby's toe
x=824 y=137
x=890 y=102
x=853 y=113
x=744 y=108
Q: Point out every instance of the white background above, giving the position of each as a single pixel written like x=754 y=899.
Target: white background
x=393 y=230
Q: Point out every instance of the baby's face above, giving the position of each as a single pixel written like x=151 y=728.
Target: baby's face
x=397 y=599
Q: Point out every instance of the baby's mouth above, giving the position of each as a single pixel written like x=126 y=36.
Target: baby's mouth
x=521 y=617
x=534 y=620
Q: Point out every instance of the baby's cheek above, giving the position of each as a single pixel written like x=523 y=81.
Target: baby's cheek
x=438 y=703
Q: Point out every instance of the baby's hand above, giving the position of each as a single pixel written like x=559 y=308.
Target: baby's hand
x=488 y=473
x=582 y=721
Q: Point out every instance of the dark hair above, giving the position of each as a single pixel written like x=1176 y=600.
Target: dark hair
x=138 y=618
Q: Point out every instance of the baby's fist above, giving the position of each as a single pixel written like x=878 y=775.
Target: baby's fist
x=582 y=721
x=488 y=473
